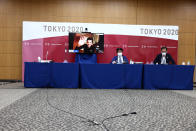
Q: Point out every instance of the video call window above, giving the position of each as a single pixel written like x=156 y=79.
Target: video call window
x=86 y=42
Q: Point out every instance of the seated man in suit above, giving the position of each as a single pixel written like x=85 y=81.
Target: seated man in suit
x=164 y=57
x=119 y=59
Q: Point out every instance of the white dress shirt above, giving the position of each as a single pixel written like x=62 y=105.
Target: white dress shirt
x=163 y=60
x=120 y=60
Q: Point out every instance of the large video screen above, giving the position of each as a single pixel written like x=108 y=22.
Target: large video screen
x=86 y=42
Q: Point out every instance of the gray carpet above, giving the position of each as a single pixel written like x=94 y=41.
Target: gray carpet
x=100 y=110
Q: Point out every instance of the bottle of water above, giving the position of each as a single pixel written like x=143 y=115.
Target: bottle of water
x=39 y=59
x=131 y=61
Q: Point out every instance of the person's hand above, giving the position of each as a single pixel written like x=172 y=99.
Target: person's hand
x=82 y=41
x=113 y=62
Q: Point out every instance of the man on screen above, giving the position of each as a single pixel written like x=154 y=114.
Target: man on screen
x=164 y=58
x=119 y=59
x=88 y=47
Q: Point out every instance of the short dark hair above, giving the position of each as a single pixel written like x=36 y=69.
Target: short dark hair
x=164 y=47
x=119 y=49
x=89 y=38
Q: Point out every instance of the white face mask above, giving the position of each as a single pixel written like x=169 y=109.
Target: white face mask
x=120 y=54
x=164 y=53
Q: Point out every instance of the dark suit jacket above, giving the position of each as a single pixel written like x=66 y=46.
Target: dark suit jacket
x=86 y=48
x=124 y=59
x=169 y=59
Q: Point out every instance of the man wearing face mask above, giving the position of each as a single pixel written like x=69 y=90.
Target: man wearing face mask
x=119 y=59
x=164 y=58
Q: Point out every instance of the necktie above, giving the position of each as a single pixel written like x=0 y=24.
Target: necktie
x=120 y=60
x=163 y=61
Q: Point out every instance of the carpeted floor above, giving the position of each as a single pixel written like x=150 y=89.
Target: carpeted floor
x=100 y=110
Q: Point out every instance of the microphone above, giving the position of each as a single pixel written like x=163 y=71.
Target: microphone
x=47 y=55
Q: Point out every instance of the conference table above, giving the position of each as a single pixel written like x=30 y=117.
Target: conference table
x=174 y=77
x=59 y=75
x=71 y=75
x=108 y=76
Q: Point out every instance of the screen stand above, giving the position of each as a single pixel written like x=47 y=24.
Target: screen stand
x=86 y=58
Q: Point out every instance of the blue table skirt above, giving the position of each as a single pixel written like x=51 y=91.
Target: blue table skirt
x=37 y=74
x=58 y=75
x=65 y=75
x=109 y=76
x=175 y=77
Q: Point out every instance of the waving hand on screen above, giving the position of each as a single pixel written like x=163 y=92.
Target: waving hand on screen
x=82 y=40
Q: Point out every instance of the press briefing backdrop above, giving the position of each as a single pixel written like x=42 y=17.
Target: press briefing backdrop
x=141 y=43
